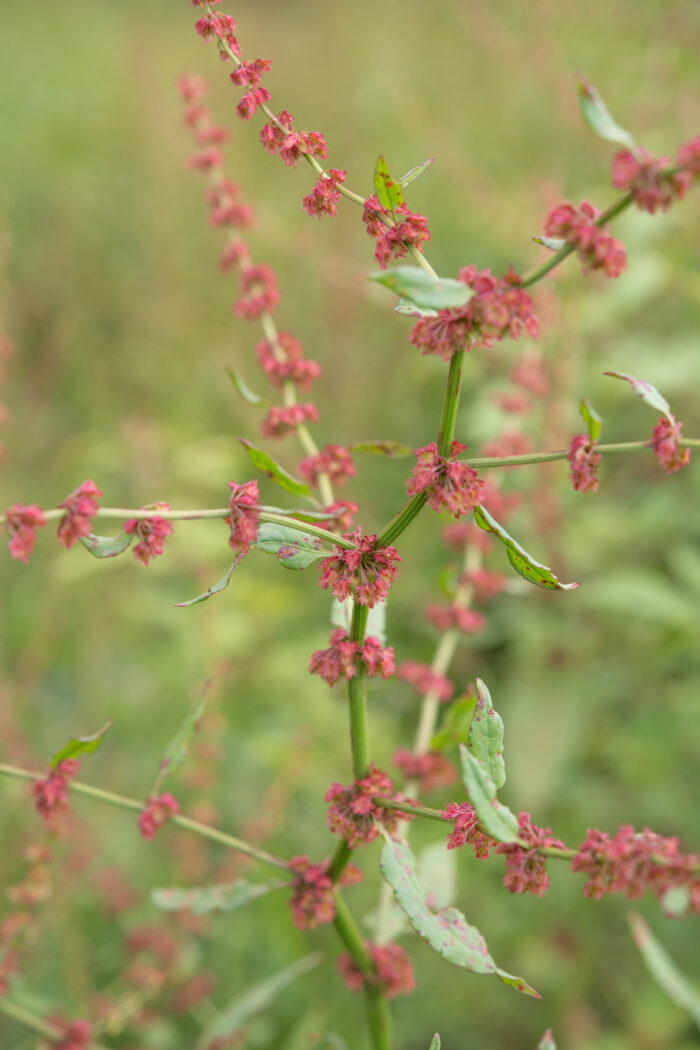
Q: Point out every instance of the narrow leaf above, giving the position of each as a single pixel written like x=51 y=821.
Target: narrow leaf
x=647 y=392
x=405 y=306
x=554 y=244
x=177 y=749
x=435 y=1043
x=226 y=896
x=394 y=449
x=664 y=970
x=455 y=725
x=387 y=188
x=547 y=1041
x=106 y=546
x=294 y=549
x=518 y=983
x=80 y=745
x=415 y=173
x=268 y=466
x=220 y=586
x=591 y=419
x=438 y=293
x=486 y=736
x=523 y=563
x=254 y=1001
x=243 y=388
x=599 y=119
x=495 y=818
x=301 y=514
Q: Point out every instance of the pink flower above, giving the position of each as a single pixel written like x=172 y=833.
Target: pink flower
x=290 y=144
x=378 y=660
x=221 y=26
x=250 y=73
x=353 y=814
x=51 y=793
x=259 y=292
x=689 y=157
x=191 y=86
x=155 y=813
x=447 y=617
x=364 y=573
x=529 y=373
x=431 y=769
x=486 y=584
x=464 y=534
x=251 y=102
x=457 y=486
x=324 y=197
x=644 y=177
x=285 y=362
x=22 y=523
x=583 y=463
x=283 y=419
x=466 y=829
x=245 y=515
x=211 y=134
x=225 y=209
x=343 y=657
x=525 y=868
x=597 y=249
x=334 y=461
x=665 y=440
x=343 y=511
x=313 y=894
x=151 y=534
x=233 y=253
x=76 y=1035
x=425 y=680
x=393 y=971
x=206 y=159
x=80 y=506
x=393 y=239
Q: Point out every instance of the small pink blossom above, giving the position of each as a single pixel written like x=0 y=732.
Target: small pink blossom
x=234 y=252
x=425 y=680
x=353 y=814
x=221 y=26
x=155 y=813
x=324 y=197
x=378 y=660
x=509 y=443
x=393 y=970
x=597 y=249
x=666 y=442
x=529 y=373
x=21 y=523
x=343 y=657
x=525 y=868
x=151 y=534
x=292 y=145
x=206 y=159
x=447 y=617
x=395 y=238
x=245 y=515
x=211 y=134
x=80 y=506
x=645 y=178
x=250 y=73
x=191 y=86
x=514 y=402
x=51 y=793
x=364 y=573
x=285 y=362
x=689 y=158
x=343 y=512
x=466 y=829
x=75 y=1035
x=259 y=292
x=313 y=894
x=583 y=463
x=449 y=483
x=251 y=102
x=333 y=460
x=225 y=208
x=283 y=419
x=431 y=769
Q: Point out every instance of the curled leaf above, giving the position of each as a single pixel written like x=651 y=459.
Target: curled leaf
x=215 y=588
x=554 y=244
x=424 y=290
x=647 y=392
x=243 y=388
x=523 y=563
x=80 y=745
x=598 y=117
x=106 y=546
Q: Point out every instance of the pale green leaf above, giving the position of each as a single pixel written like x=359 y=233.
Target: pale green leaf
x=225 y=896
x=106 y=546
x=437 y=874
x=293 y=549
x=405 y=306
x=215 y=588
x=80 y=745
x=178 y=748
x=547 y=1041
x=455 y=725
x=244 y=390
x=271 y=469
x=438 y=293
x=664 y=970
x=495 y=818
x=523 y=563
x=486 y=736
x=553 y=244
x=591 y=419
x=416 y=172
x=599 y=119
x=647 y=392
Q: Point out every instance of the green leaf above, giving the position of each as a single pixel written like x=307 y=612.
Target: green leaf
x=415 y=173
x=244 y=390
x=675 y=902
x=447 y=931
x=388 y=190
x=647 y=392
x=495 y=818
x=486 y=736
x=80 y=745
x=226 y=896
x=439 y=293
x=254 y=1001
x=301 y=514
x=523 y=563
x=177 y=749
x=215 y=588
x=394 y=449
x=106 y=546
x=554 y=244
x=405 y=306
x=664 y=970
x=267 y=465
x=598 y=118
x=437 y=874
x=341 y=616
x=547 y=1041
x=294 y=549
x=435 y=1043
x=455 y=724
x=591 y=419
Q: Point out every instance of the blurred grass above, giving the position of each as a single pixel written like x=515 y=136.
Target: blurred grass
x=123 y=331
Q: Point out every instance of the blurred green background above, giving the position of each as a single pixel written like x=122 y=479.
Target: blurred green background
x=123 y=332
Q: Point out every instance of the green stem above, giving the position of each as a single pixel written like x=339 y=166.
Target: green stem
x=357 y=692
x=378 y=1013
x=416 y=811
x=339 y=860
x=402 y=520
x=450 y=404
x=38 y=1024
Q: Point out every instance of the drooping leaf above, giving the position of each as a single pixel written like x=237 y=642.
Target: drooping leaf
x=486 y=736
x=437 y=874
x=387 y=188
x=647 y=392
x=598 y=117
x=495 y=818
x=178 y=748
x=547 y=1041
x=243 y=388
x=523 y=563
x=554 y=244
x=271 y=469
x=435 y=1043
x=301 y=514
x=415 y=173
x=382 y=447
x=215 y=588
x=106 y=546
x=226 y=896
x=447 y=931
x=254 y=1001
x=341 y=616
x=455 y=724
x=80 y=745
x=293 y=549
x=664 y=970
x=591 y=419
x=405 y=306
x=437 y=293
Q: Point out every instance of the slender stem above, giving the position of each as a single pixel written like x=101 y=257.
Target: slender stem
x=339 y=860
x=413 y=810
x=38 y=1024
x=357 y=693
x=378 y=1013
x=450 y=404
x=124 y=802
x=403 y=519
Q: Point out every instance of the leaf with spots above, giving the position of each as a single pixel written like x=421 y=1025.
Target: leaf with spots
x=495 y=818
x=293 y=549
x=486 y=736
x=387 y=188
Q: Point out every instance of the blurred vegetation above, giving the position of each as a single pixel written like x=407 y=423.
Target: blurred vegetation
x=123 y=331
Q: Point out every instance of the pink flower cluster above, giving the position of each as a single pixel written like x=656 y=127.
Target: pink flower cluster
x=665 y=440
x=432 y=770
x=453 y=615
x=286 y=362
x=449 y=483
x=499 y=307
x=393 y=238
x=22 y=523
x=364 y=573
x=324 y=197
x=525 y=868
x=249 y=74
x=80 y=506
x=466 y=829
x=344 y=656
x=648 y=179
x=245 y=515
x=259 y=292
x=51 y=793
x=313 y=893
x=583 y=463
x=393 y=970
x=334 y=461
x=225 y=209
x=221 y=27
x=75 y=1035
x=155 y=813
x=280 y=137
x=596 y=247
x=283 y=419
x=151 y=534
x=353 y=814
x=632 y=862
x=425 y=680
